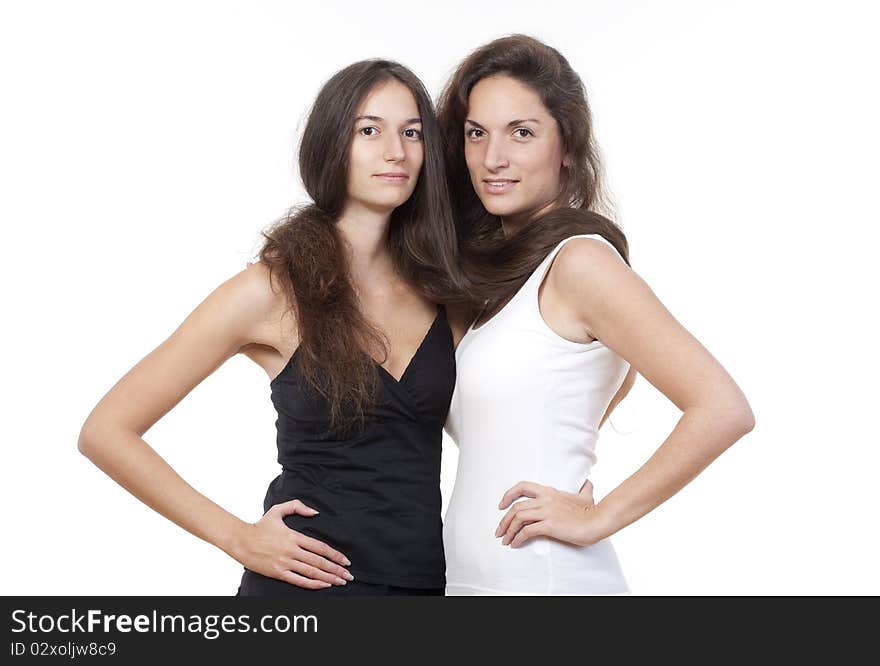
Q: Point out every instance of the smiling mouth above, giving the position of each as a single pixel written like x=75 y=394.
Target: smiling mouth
x=499 y=185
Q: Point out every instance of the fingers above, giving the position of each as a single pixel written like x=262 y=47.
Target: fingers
x=521 y=489
x=323 y=564
x=294 y=506
x=302 y=581
x=313 y=573
x=309 y=511
x=321 y=548
x=586 y=492
x=509 y=516
x=519 y=521
x=528 y=532
x=319 y=552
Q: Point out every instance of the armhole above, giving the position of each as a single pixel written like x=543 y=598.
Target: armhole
x=545 y=270
x=281 y=315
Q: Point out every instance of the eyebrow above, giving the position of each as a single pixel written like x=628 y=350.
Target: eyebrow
x=512 y=123
x=379 y=119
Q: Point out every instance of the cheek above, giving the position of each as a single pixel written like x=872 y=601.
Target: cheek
x=356 y=162
x=360 y=182
x=544 y=166
x=473 y=157
x=416 y=156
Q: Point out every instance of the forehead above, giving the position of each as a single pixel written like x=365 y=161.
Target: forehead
x=390 y=100
x=501 y=97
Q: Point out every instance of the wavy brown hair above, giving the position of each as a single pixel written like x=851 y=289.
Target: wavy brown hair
x=498 y=266
x=305 y=251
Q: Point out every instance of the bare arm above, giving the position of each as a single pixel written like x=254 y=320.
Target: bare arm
x=232 y=316
x=610 y=301
x=621 y=310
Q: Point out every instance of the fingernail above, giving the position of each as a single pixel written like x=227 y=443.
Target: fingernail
x=326 y=584
x=340 y=581
x=347 y=576
x=345 y=561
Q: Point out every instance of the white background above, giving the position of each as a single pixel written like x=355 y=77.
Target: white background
x=144 y=145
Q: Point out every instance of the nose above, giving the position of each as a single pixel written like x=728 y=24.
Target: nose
x=394 y=148
x=495 y=157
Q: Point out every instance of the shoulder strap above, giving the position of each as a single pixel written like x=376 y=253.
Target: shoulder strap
x=541 y=271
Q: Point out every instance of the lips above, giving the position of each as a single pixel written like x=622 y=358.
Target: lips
x=499 y=185
x=392 y=176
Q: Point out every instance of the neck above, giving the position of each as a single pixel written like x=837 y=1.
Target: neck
x=512 y=224
x=365 y=232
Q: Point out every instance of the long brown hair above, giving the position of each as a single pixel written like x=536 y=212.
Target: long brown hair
x=305 y=251
x=498 y=266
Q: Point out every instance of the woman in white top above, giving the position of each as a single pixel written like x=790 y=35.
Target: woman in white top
x=564 y=325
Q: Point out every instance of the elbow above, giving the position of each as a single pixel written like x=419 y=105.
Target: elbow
x=84 y=442
x=731 y=417
x=749 y=420
x=741 y=418
x=98 y=437
x=745 y=414
x=87 y=443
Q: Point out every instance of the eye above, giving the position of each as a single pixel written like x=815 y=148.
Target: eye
x=369 y=131
x=474 y=133
x=523 y=132
x=412 y=133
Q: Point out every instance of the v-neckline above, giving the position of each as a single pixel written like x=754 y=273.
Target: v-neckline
x=382 y=369
x=516 y=295
x=415 y=354
x=500 y=310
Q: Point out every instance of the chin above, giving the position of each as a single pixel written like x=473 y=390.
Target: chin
x=501 y=208
x=387 y=203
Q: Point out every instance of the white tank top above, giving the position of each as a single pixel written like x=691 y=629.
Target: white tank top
x=526 y=407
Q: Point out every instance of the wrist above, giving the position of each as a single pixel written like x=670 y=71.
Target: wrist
x=597 y=525
x=234 y=538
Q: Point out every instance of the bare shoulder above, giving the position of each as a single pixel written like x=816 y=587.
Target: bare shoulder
x=586 y=278
x=245 y=309
x=235 y=315
x=580 y=254
x=257 y=296
x=257 y=287
x=586 y=261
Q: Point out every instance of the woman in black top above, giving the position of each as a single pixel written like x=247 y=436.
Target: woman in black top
x=341 y=312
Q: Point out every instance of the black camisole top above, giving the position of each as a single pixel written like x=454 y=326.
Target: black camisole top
x=377 y=492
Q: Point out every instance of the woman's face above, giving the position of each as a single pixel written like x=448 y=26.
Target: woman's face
x=513 y=148
x=386 y=152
